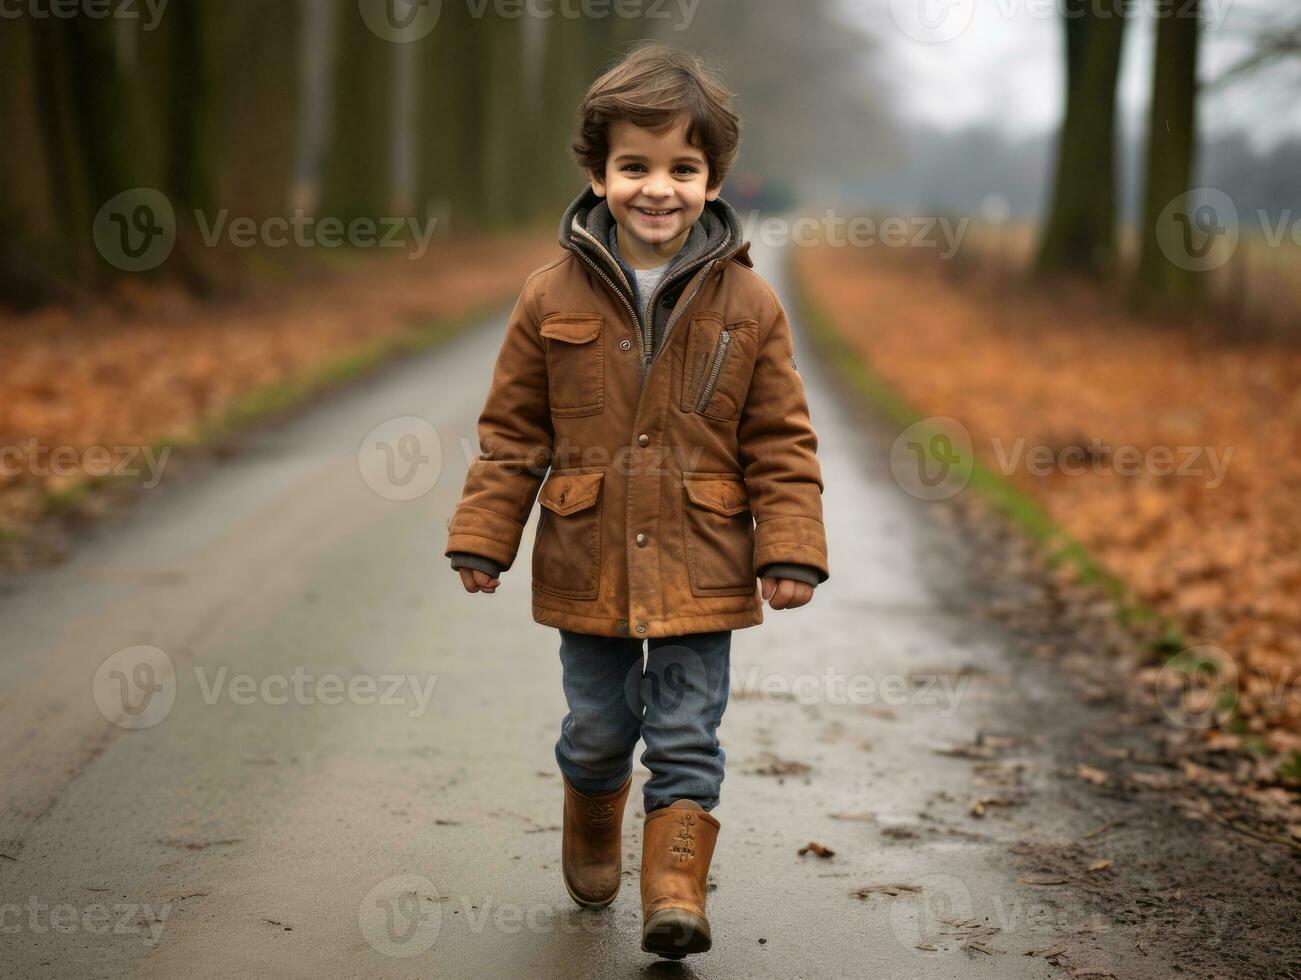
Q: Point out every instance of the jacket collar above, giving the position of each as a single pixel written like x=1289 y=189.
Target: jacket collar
x=716 y=235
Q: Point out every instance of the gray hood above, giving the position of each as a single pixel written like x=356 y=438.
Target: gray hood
x=717 y=234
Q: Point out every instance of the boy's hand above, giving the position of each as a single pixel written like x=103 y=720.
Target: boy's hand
x=785 y=593
x=477 y=581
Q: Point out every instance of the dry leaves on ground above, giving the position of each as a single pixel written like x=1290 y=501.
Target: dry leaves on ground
x=1173 y=459
x=154 y=364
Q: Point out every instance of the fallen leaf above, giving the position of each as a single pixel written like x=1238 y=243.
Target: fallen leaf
x=818 y=849
x=867 y=891
x=1095 y=776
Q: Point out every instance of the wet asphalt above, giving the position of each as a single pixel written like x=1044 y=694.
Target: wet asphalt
x=256 y=727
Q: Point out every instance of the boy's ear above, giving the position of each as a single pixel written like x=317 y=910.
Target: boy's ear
x=598 y=183
x=713 y=194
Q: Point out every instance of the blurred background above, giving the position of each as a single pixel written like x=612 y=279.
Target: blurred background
x=1035 y=118
x=212 y=210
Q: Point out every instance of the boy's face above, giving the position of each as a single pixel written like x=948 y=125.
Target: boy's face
x=656 y=187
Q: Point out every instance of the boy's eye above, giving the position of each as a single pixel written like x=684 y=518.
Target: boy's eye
x=684 y=169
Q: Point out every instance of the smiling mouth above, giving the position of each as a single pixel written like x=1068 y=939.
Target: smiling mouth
x=656 y=213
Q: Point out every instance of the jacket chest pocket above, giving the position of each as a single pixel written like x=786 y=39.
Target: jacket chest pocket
x=718 y=366
x=567 y=546
x=575 y=363
x=718 y=529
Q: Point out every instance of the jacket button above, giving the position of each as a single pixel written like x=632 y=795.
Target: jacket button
x=625 y=344
x=641 y=627
x=641 y=539
x=643 y=440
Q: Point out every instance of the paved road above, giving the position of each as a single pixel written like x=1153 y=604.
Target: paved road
x=256 y=828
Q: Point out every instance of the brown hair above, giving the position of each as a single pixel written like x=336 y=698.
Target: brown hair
x=655 y=86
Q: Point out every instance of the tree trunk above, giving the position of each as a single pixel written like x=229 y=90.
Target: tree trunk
x=1079 y=237
x=1172 y=140
x=449 y=182
x=505 y=151
x=29 y=232
x=81 y=102
x=356 y=182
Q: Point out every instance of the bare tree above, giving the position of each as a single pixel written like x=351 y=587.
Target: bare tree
x=1079 y=237
x=1171 y=146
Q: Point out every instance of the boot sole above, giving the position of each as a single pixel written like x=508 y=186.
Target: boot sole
x=588 y=903
x=673 y=933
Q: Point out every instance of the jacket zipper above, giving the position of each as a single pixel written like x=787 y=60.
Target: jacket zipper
x=720 y=357
x=647 y=357
x=613 y=288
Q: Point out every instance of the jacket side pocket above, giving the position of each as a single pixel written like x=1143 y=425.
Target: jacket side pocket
x=575 y=363
x=718 y=531
x=567 y=545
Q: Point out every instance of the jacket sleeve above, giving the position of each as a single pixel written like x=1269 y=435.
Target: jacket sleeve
x=800 y=573
x=463 y=559
x=778 y=450
x=515 y=446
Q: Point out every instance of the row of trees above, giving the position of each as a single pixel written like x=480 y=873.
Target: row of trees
x=244 y=105
x=1079 y=235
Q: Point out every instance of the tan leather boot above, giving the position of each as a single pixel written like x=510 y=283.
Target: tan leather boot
x=591 y=850
x=676 y=850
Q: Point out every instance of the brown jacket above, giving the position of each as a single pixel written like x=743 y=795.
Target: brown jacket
x=668 y=482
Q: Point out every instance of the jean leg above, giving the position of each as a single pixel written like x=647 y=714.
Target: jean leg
x=599 y=734
x=685 y=692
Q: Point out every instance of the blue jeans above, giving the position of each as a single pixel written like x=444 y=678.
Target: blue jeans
x=675 y=703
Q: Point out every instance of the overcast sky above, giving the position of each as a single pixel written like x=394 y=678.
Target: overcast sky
x=1000 y=62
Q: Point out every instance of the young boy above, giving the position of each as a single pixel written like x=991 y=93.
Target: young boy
x=646 y=394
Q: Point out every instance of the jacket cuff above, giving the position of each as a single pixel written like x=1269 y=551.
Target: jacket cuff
x=800 y=573
x=485 y=533
x=791 y=541
x=465 y=559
